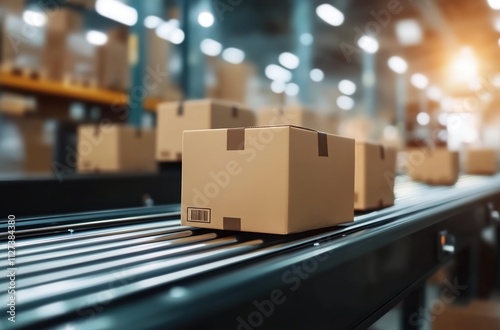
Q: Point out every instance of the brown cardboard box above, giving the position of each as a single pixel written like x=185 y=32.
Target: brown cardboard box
x=115 y=148
x=64 y=21
x=275 y=180
x=37 y=142
x=81 y=67
x=439 y=166
x=16 y=105
x=19 y=50
x=12 y=6
x=114 y=72
x=481 y=161
x=295 y=115
x=232 y=81
x=61 y=23
x=175 y=117
x=375 y=172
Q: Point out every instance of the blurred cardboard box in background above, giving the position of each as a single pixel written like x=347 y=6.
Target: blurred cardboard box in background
x=175 y=117
x=115 y=148
x=375 y=173
x=438 y=166
x=481 y=161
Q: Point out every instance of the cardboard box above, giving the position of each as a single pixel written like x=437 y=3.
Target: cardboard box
x=114 y=71
x=375 y=172
x=295 y=115
x=81 y=67
x=175 y=117
x=232 y=81
x=37 y=143
x=16 y=105
x=64 y=21
x=481 y=161
x=18 y=50
x=115 y=148
x=61 y=24
x=275 y=180
x=12 y=6
x=439 y=166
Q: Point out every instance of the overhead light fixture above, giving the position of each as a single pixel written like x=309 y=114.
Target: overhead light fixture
x=96 y=38
x=289 y=60
x=423 y=119
x=211 y=47
x=292 y=89
x=494 y=4
x=347 y=87
x=464 y=67
x=345 y=102
x=152 y=22
x=117 y=11
x=170 y=31
x=408 y=32
x=316 y=75
x=434 y=93
x=206 y=19
x=34 y=18
x=397 y=64
x=419 y=81
x=233 y=55
x=368 y=44
x=306 y=39
x=177 y=36
x=278 y=87
x=278 y=73
x=330 y=14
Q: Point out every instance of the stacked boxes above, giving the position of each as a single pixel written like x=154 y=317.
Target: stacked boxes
x=439 y=166
x=375 y=173
x=81 y=62
x=21 y=45
x=115 y=148
x=277 y=180
x=114 y=72
x=481 y=161
x=60 y=25
x=295 y=115
x=175 y=117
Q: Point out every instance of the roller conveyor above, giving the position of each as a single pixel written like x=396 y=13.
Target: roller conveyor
x=154 y=273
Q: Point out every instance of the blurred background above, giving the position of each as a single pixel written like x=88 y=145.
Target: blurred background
x=399 y=72
x=403 y=73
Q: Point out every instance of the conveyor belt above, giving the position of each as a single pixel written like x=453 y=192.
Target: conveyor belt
x=108 y=266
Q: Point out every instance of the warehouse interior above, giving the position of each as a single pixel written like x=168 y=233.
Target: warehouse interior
x=250 y=164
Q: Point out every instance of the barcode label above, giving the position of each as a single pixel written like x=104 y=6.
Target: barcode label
x=198 y=215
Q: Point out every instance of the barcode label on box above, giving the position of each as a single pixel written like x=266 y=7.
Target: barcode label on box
x=198 y=215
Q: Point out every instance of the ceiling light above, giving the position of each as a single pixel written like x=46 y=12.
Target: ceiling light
x=419 y=81
x=368 y=44
x=289 y=60
x=211 y=47
x=206 y=19
x=96 y=38
x=276 y=72
x=347 y=87
x=316 y=75
x=408 y=32
x=233 y=55
x=117 y=11
x=330 y=14
x=345 y=102
x=397 y=64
